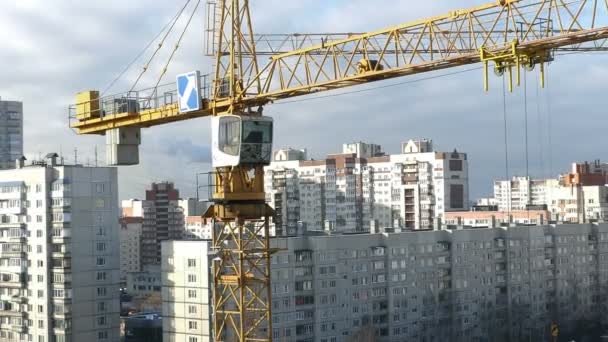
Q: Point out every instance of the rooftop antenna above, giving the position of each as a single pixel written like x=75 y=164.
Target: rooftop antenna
x=95 y=155
x=75 y=156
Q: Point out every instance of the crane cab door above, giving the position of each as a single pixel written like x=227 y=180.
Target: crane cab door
x=241 y=140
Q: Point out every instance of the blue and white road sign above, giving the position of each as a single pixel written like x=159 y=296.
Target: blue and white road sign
x=188 y=91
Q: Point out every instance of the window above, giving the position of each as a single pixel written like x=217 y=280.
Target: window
x=101 y=246
x=101 y=276
x=38 y=203
x=192 y=309
x=229 y=135
x=38 y=218
x=192 y=339
x=192 y=278
x=101 y=321
x=457 y=196
x=192 y=325
x=38 y=187
x=100 y=187
x=101 y=291
x=191 y=262
x=102 y=335
x=191 y=293
x=100 y=203
x=101 y=261
x=455 y=165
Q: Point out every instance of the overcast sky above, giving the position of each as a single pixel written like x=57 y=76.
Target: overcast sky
x=50 y=50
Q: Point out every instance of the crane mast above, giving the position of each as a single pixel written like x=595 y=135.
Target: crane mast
x=252 y=71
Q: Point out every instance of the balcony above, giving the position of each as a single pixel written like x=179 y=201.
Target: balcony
x=18 y=328
x=13 y=280
x=12 y=253
x=59 y=234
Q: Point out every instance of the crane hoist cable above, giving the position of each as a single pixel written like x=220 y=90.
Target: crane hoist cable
x=160 y=45
x=179 y=40
x=141 y=53
x=527 y=150
x=506 y=142
x=541 y=143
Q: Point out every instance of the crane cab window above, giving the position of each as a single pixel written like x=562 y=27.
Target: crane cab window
x=229 y=135
x=257 y=132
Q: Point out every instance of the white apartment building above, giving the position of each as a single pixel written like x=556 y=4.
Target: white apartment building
x=198 y=228
x=460 y=285
x=520 y=192
x=363 y=189
x=566 y=203
x=130 y=245
x=59 y=256
x=186 y=291
x=11 y=133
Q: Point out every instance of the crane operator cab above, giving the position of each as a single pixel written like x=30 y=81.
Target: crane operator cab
x=241 y=140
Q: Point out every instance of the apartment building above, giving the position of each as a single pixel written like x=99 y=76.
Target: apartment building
x=364 y=189
x=461 y=285
x=163 y=219
x=198 y=228
x=451 y=285
x=186 y=291
x=11 y=133
x=130 y=245
x=495 y=219
x=145 y=282
x=59 y=256
x=579 y=196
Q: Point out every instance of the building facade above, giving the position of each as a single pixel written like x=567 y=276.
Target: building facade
x=462 y=285
x=145 y=282
x=186 y=291
x=495 y=219
x=451 y=285
x=11 y=133
x=59 y=256
x=130 y=245
x=364 y=190
x=163 y=219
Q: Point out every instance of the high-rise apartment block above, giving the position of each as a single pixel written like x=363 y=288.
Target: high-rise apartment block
x=163 y=220
x=11 y=133
x=363 y=189
x=59 y=256
x=450 y=285
x=186 y=291
x=579 y=196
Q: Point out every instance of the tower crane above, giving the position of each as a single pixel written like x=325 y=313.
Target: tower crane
x=252 y=71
